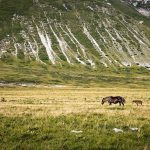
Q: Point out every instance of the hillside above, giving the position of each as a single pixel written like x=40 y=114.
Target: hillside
x=49 y=38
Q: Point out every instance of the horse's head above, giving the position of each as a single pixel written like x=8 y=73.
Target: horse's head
x=103 y=101
x=123 y=99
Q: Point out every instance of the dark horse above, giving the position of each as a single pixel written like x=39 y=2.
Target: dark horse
x=114 y=100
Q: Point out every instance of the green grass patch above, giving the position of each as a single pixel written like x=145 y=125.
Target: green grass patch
x=56 y=132
x=34 y=72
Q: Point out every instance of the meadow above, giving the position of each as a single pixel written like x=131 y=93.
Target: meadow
x=65 y=117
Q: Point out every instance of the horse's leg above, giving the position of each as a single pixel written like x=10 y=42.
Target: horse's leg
x=119 y=103
x=122 y=103
x=109 y=103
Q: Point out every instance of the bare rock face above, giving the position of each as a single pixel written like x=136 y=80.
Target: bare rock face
x=142 y=6
x=144 y=12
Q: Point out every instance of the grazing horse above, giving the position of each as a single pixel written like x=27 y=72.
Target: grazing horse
x=114 y=100
x=137 y=102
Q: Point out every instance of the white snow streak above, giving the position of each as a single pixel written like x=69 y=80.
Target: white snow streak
x=62 y=44
x=47 y=44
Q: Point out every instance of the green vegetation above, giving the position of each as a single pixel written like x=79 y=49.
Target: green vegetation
x=55 y=132
x=74 y=75
x=7 y=9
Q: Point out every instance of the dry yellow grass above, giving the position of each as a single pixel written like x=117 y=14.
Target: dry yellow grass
x=42 y=102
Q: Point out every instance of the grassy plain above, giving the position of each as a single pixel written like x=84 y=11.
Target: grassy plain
x=44 y=118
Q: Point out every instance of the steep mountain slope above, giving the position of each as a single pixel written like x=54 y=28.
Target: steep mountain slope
x=93 y=34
